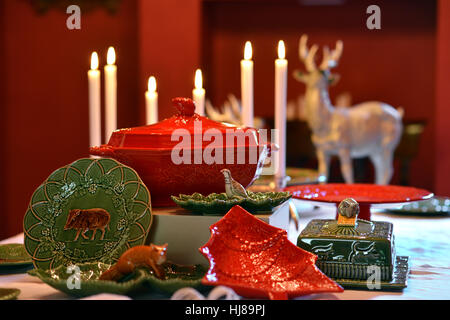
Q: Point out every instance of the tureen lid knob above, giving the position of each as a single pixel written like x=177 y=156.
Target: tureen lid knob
x=348 y=210
x=185 y=106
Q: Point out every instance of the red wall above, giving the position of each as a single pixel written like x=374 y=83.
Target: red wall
x=442 y=168
x=169 y=49
x=44 y=106
x=394 y=64
x=43 y=86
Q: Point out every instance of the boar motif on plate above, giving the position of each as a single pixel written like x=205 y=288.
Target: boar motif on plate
x=91 y=210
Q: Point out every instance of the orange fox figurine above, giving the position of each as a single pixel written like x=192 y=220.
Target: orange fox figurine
x=151 y=256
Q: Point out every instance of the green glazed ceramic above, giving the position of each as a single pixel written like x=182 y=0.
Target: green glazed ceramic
x=14 y=254
x=347 y=251
x=141 y=281
x=9 y=293
x=91 y=210
x=220 y=204
x=398 y=282
x=437 y=206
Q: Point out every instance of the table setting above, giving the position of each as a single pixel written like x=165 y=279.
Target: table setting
x=428 y=279
x=202 y=204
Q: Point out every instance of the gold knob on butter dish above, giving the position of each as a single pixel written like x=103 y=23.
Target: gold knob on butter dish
x=348 y=211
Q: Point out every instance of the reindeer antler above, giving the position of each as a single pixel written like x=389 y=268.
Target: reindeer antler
x=307 y=56
x=229 y=112
x=330 y=59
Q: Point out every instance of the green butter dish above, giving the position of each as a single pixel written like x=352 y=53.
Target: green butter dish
x=352 y=251
x=219 y=203
x=342 y=254
x=9 y=293
x=141 y=281
x=397 y=282
x=89 y=211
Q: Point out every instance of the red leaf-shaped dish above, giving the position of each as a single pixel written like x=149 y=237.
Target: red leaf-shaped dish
x=258 y=261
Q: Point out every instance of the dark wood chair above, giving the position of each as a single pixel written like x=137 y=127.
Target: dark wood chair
x=408 y=148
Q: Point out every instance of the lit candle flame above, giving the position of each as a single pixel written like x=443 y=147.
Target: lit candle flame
x=281 y=50
x=94 y=61
x=198 y=79
x=151 y=84
x=248 y=50
x=111 y=56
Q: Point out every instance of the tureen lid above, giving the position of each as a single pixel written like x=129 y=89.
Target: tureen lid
x=169 y=132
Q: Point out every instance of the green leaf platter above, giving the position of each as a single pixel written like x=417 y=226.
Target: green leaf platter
x=141 y=281
x=220 y=203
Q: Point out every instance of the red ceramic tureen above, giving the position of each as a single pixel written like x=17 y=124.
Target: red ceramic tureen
x=185 y=153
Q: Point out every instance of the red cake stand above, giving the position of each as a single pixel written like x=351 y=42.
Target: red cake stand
x=365 y=194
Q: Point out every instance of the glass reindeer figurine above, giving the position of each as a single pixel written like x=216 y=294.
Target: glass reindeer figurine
x=369 y=129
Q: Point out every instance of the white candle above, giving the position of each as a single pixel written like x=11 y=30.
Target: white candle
x=151 y=99
x=198 y=94
x=280 y=110
x=247 y=86
x=110 y=94
x=95 y=133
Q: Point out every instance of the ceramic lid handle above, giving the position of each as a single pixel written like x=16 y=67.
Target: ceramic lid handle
x=348 y=211
x=185 y=106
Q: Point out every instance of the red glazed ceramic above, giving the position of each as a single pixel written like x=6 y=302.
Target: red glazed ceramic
x=364 y=194
x=151 y=151
x=258 y=261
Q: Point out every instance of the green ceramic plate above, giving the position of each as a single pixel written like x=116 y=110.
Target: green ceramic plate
x=220 y=204
x=399 y=278
x=14 y=254
x=103 y=189
x=141 y=281
x=9 y=293
x=436 y=206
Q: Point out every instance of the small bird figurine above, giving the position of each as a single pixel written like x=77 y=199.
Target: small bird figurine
x=232 y=187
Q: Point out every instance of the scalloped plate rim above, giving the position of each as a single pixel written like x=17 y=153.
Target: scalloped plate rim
x=9 y=262
x=426 y=194
x=223 y=206
x=99 y=159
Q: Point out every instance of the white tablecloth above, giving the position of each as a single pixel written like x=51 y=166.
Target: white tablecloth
x=425 y=240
